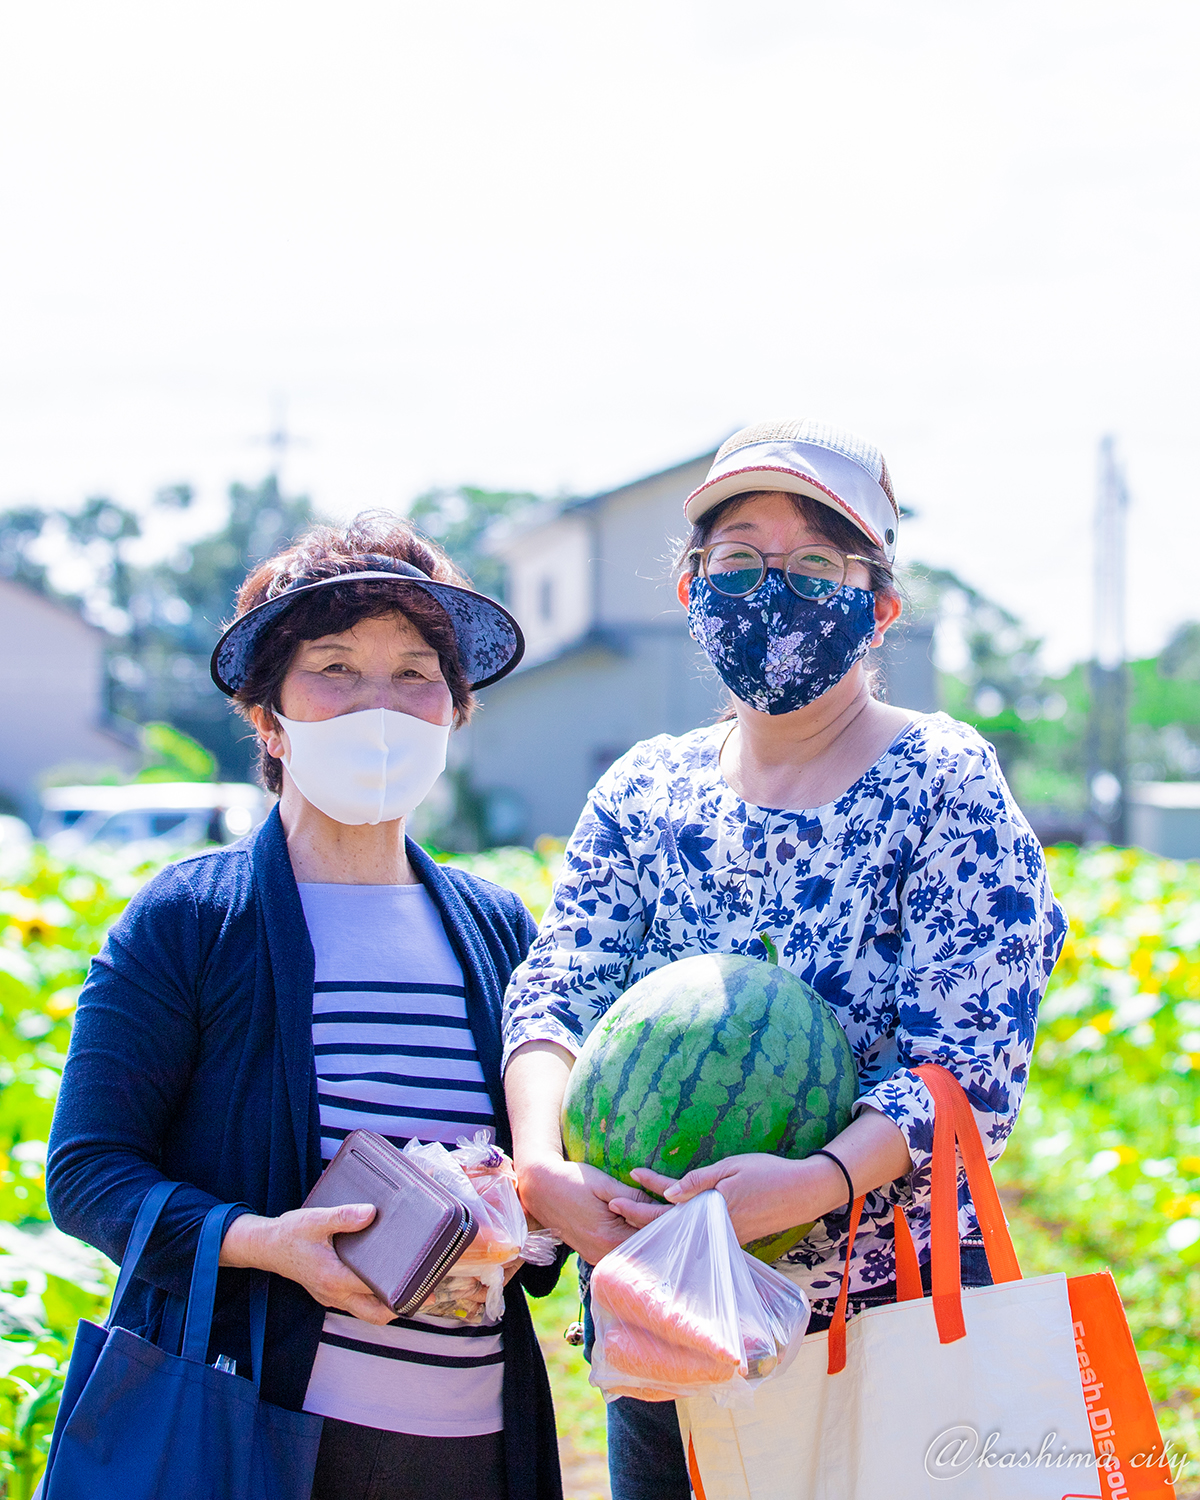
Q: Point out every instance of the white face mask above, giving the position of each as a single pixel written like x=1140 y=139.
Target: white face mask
x=366 y=767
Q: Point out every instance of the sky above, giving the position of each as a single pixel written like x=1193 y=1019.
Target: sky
x=555 y=247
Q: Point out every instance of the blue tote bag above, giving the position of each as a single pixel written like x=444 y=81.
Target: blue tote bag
x=139 y=1422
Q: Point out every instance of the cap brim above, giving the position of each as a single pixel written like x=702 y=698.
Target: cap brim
x=702 y=500
x=490 y=642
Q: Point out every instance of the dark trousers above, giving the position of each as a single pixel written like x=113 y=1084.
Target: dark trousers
x=646 y=1460
x=363 y=1463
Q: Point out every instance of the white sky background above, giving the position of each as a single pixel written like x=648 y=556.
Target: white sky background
x=556 y=246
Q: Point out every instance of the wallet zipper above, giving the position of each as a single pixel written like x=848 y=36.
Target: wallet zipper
x=439 y=1269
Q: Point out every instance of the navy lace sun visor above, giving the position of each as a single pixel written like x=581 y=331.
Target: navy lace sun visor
x=490 y=643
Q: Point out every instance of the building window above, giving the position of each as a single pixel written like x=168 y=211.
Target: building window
x=546 y=599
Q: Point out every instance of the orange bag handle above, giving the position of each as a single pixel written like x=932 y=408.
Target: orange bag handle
x=837 y=1326
x=694 y=1471
x=953 y=1123
x=908 y=1270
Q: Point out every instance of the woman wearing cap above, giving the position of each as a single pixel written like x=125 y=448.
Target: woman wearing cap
x=256 y=1003
x=878 y=850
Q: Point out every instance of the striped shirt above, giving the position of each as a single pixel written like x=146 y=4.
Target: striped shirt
x=395 y=1054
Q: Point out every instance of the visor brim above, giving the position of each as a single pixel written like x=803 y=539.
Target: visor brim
x=490 y=642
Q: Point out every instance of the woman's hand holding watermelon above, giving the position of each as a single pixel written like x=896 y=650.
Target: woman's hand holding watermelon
x=568 y=1197
x=573 y=1199
x=768 y=1194
x=764 y=1194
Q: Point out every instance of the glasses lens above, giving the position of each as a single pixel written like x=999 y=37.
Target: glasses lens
x=816 y=572
x=734 y=568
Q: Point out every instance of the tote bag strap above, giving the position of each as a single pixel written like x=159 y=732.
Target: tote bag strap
x=197 y=1328
x=144 y=1225
x=837 y=1324
x=908 y=1269
x=954 y=1122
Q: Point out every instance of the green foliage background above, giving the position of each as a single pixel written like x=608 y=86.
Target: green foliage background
x=53 y=917
x=1103 y=1169
x=1039 y=723
x=163 y=615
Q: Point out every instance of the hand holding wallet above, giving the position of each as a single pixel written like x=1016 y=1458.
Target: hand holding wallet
x=419 y=1229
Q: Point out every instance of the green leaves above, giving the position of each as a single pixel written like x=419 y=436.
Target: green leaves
x=53 y=917
x=172 y=755
x=48 y=1281
x=529 y=872
x=1103 y=1168
x=459 y=520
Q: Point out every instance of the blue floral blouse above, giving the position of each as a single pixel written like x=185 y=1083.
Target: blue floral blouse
x=917 y=904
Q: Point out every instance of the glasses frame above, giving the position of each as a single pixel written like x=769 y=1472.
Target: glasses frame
x=765 y=557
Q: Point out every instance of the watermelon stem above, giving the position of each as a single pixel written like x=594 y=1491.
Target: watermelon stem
x=764 y=938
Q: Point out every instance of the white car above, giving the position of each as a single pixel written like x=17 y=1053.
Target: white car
x=174 y=814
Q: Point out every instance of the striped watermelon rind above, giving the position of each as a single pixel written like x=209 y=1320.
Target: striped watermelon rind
x=712 y=1056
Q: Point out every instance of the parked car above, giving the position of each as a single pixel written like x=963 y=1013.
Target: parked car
x=171 y=814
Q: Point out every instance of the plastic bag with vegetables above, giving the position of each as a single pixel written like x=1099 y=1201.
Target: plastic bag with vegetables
x=480 y=1175
x=680 y=1309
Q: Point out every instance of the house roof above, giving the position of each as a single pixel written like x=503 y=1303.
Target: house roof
x=50 y=601
x=587 y=502
x=507 y=531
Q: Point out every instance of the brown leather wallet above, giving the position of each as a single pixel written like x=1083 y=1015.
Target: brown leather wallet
x=419 y=1229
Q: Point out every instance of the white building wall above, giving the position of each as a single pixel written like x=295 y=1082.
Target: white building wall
x=52 y=689
x=549 y=583
x=638 y=528
x=543 y=737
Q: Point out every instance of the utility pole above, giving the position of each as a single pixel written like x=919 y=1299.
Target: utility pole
x=280 y=439
x=1107 y=766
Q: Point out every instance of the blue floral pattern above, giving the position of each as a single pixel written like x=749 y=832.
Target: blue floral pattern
x=917 y=904
x=775 y=650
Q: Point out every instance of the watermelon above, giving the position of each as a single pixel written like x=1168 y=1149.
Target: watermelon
x=712 y=1056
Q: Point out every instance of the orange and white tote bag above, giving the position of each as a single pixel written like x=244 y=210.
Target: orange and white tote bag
x=1029 y=1389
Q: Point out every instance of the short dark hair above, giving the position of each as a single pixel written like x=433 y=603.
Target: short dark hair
x=326 y=552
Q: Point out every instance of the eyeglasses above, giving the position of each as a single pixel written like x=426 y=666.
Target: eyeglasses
x=737 y=569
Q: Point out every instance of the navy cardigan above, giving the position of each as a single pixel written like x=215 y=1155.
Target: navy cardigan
x=192 y=1058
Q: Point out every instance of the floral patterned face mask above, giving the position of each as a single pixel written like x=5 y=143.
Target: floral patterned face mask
x=776 y=651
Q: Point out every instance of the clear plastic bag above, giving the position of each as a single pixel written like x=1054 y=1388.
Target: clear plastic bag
x=480 y=1175
x=681 y=1310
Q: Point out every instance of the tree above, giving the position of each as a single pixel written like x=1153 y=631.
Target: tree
x=460 y=519
x=1165 y=710
x=179 y=606
x=1180 y=657
x=1039 y=723
x=166 y=616
x=20 y=531
x=995 y=682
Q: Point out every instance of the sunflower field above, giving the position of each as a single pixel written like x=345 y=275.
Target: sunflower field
x=1102 y=1170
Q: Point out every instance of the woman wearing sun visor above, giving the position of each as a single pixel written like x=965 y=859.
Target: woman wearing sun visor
x=258 y=1002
